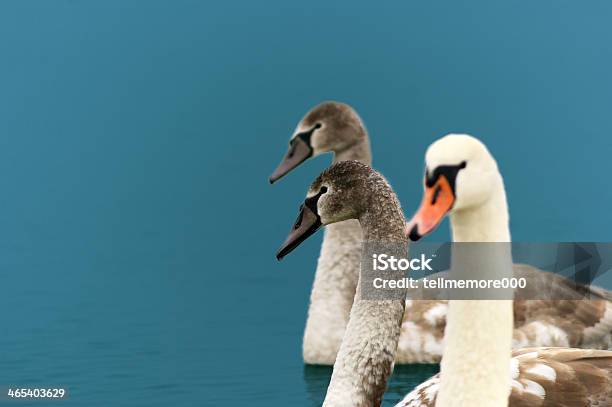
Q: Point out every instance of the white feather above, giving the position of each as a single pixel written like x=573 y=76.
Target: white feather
x=543 y=371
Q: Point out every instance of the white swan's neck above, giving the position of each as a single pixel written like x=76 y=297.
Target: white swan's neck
x=477 y=342
x=487 y=222
x=336 y=278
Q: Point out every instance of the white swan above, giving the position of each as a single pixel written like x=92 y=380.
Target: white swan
x=477 y=368
x=336 y=127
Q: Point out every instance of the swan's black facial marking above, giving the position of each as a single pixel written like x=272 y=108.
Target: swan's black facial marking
x=439 y=197
x=306 y=137
x=306 y=224
x=414 y=234
x=450 y=173
x=294 y=144
x=300 y=149
x=312 y=201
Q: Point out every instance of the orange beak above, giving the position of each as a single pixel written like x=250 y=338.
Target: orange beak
x=437 y=201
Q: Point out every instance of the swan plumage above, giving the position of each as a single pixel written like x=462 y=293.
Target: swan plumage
x=478 y=367
x=583 y=372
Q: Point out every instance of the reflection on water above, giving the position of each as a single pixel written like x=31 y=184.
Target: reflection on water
x=404 y=379
x=316 y=379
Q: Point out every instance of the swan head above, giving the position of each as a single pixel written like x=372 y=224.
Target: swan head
x=460 y=173
x=328 y=127
x=336 y=195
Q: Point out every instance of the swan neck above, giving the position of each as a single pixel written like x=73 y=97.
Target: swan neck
x=487 y=222
x=365 y=359
x=477 y=350
x=333 y=291
x=359 y=151
x=478 y=337
x=383 y=219
x=336 y=277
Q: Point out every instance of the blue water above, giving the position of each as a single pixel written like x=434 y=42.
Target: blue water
x=137 y=228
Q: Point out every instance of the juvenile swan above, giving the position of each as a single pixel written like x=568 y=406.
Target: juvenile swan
x=330 y=127
x=478 y=369
x=351 y=190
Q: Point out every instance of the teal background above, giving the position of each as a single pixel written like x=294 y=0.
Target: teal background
x=137 y=227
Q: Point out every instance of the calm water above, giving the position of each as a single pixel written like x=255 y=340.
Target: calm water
x=137 y=227
x=136 y=333
x=135 y=327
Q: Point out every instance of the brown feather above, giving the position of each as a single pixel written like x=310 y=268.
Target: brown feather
x=582 y=378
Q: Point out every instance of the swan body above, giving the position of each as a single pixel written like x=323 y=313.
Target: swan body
x=571 y=321
x=535 y=373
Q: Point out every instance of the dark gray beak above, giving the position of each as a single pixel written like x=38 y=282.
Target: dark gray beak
x=299 y=151
x=307 y=223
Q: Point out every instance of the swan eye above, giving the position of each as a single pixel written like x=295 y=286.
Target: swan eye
x=317 y=126
x=463 y=165
x=323 y=190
